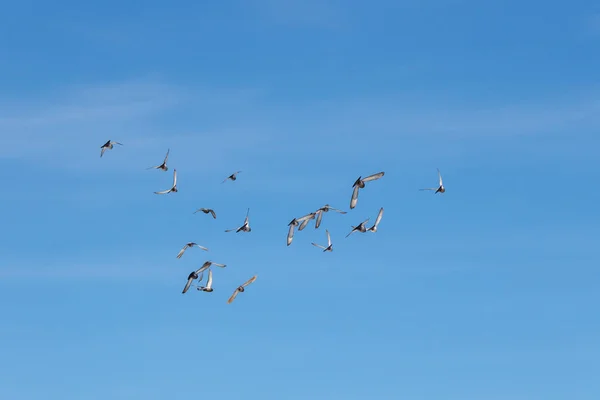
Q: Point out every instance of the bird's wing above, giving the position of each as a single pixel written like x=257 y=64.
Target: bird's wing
x=213 y=213
x=182 y=251
x=303 y=224
x=231 y=230
x=225 y=180
x=352 y=231
x=102 y=151
x=167 y=156
x=200 y=209
x=440 y=176
x=233 y=296
x=174 y=177
x=290 y=235
x=187 y=285
x=309 y=215
x=429 y=189
x=319 y=218
x=354 y=198
x=202 y=247
x=219 y=265
x=373 y=177
x=121 y=144
x=319 y=246
x=249 y=281
x=155 y=167
x=209 y=281
x=163 y=192
x=328 y=238
x=379 y=217
x=204 y=267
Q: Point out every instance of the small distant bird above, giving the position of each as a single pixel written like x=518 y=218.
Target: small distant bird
x=162 y=166
x=306 y=219
x=325 y=209
x=188 y=245
x=108 y=145
x=233 y=177
x=359 y=228
x=197 y=274
x=244 y=228
x=206 y=211
x=374 y=227
x=208 y=287
x=174 y=187
x=293 y=223
x=439 y=189
x=359 y=184
x=329 y=245
x=240 y=289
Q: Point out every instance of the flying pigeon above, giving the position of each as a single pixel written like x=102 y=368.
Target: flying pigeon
x=243 y=228
x=188 y=245
x=325 y=209
x=233 y=177
x=206 y=211
x=108 y=145
x=240 y=289
x=439 y=189
x=174 y=187
x=162 y=166
x=329 y=245
x=359 y=228
x=359 y=184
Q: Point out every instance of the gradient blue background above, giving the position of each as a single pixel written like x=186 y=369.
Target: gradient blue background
x=487 y=292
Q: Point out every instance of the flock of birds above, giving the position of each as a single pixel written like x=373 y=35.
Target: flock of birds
x=299 y=223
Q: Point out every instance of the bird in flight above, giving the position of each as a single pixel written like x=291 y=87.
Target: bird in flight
x=197 y=274
x=240 y=289
x=208 y=287
x=359 y=228
x=188 y=245
x=359 y=184
x=108 y=146
x=329 y=245
x=162 y=166
x=207 y=265
x=325 y=209
x=233 y=177
x=244 y=228
x=206 y=211
x=374 y=227
x=439 y=189
x=174 y=187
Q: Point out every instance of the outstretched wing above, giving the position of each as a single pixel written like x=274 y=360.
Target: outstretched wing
x=319 y=218
x=167 y=156
x=319 y=246
x=182 y=251
x=219 y=265
x=102 y=151
x=440 y=177
x=290 y=235
x=379 y=217
x=231 y=230
x=354 y=198
x=187 y=285
x=328 y=238
x=352 y=231
x=429 y=189
x=204 y=267
x=335 y=209
x=213 y=214
x=233 y=296
x=249 y=281
x=164 y=191
x=373 y=177
x=202 y=247
x=174 y=177
x=304 y=223
x=209 y=281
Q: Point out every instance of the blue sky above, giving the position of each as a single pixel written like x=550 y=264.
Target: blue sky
x=487 y=292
